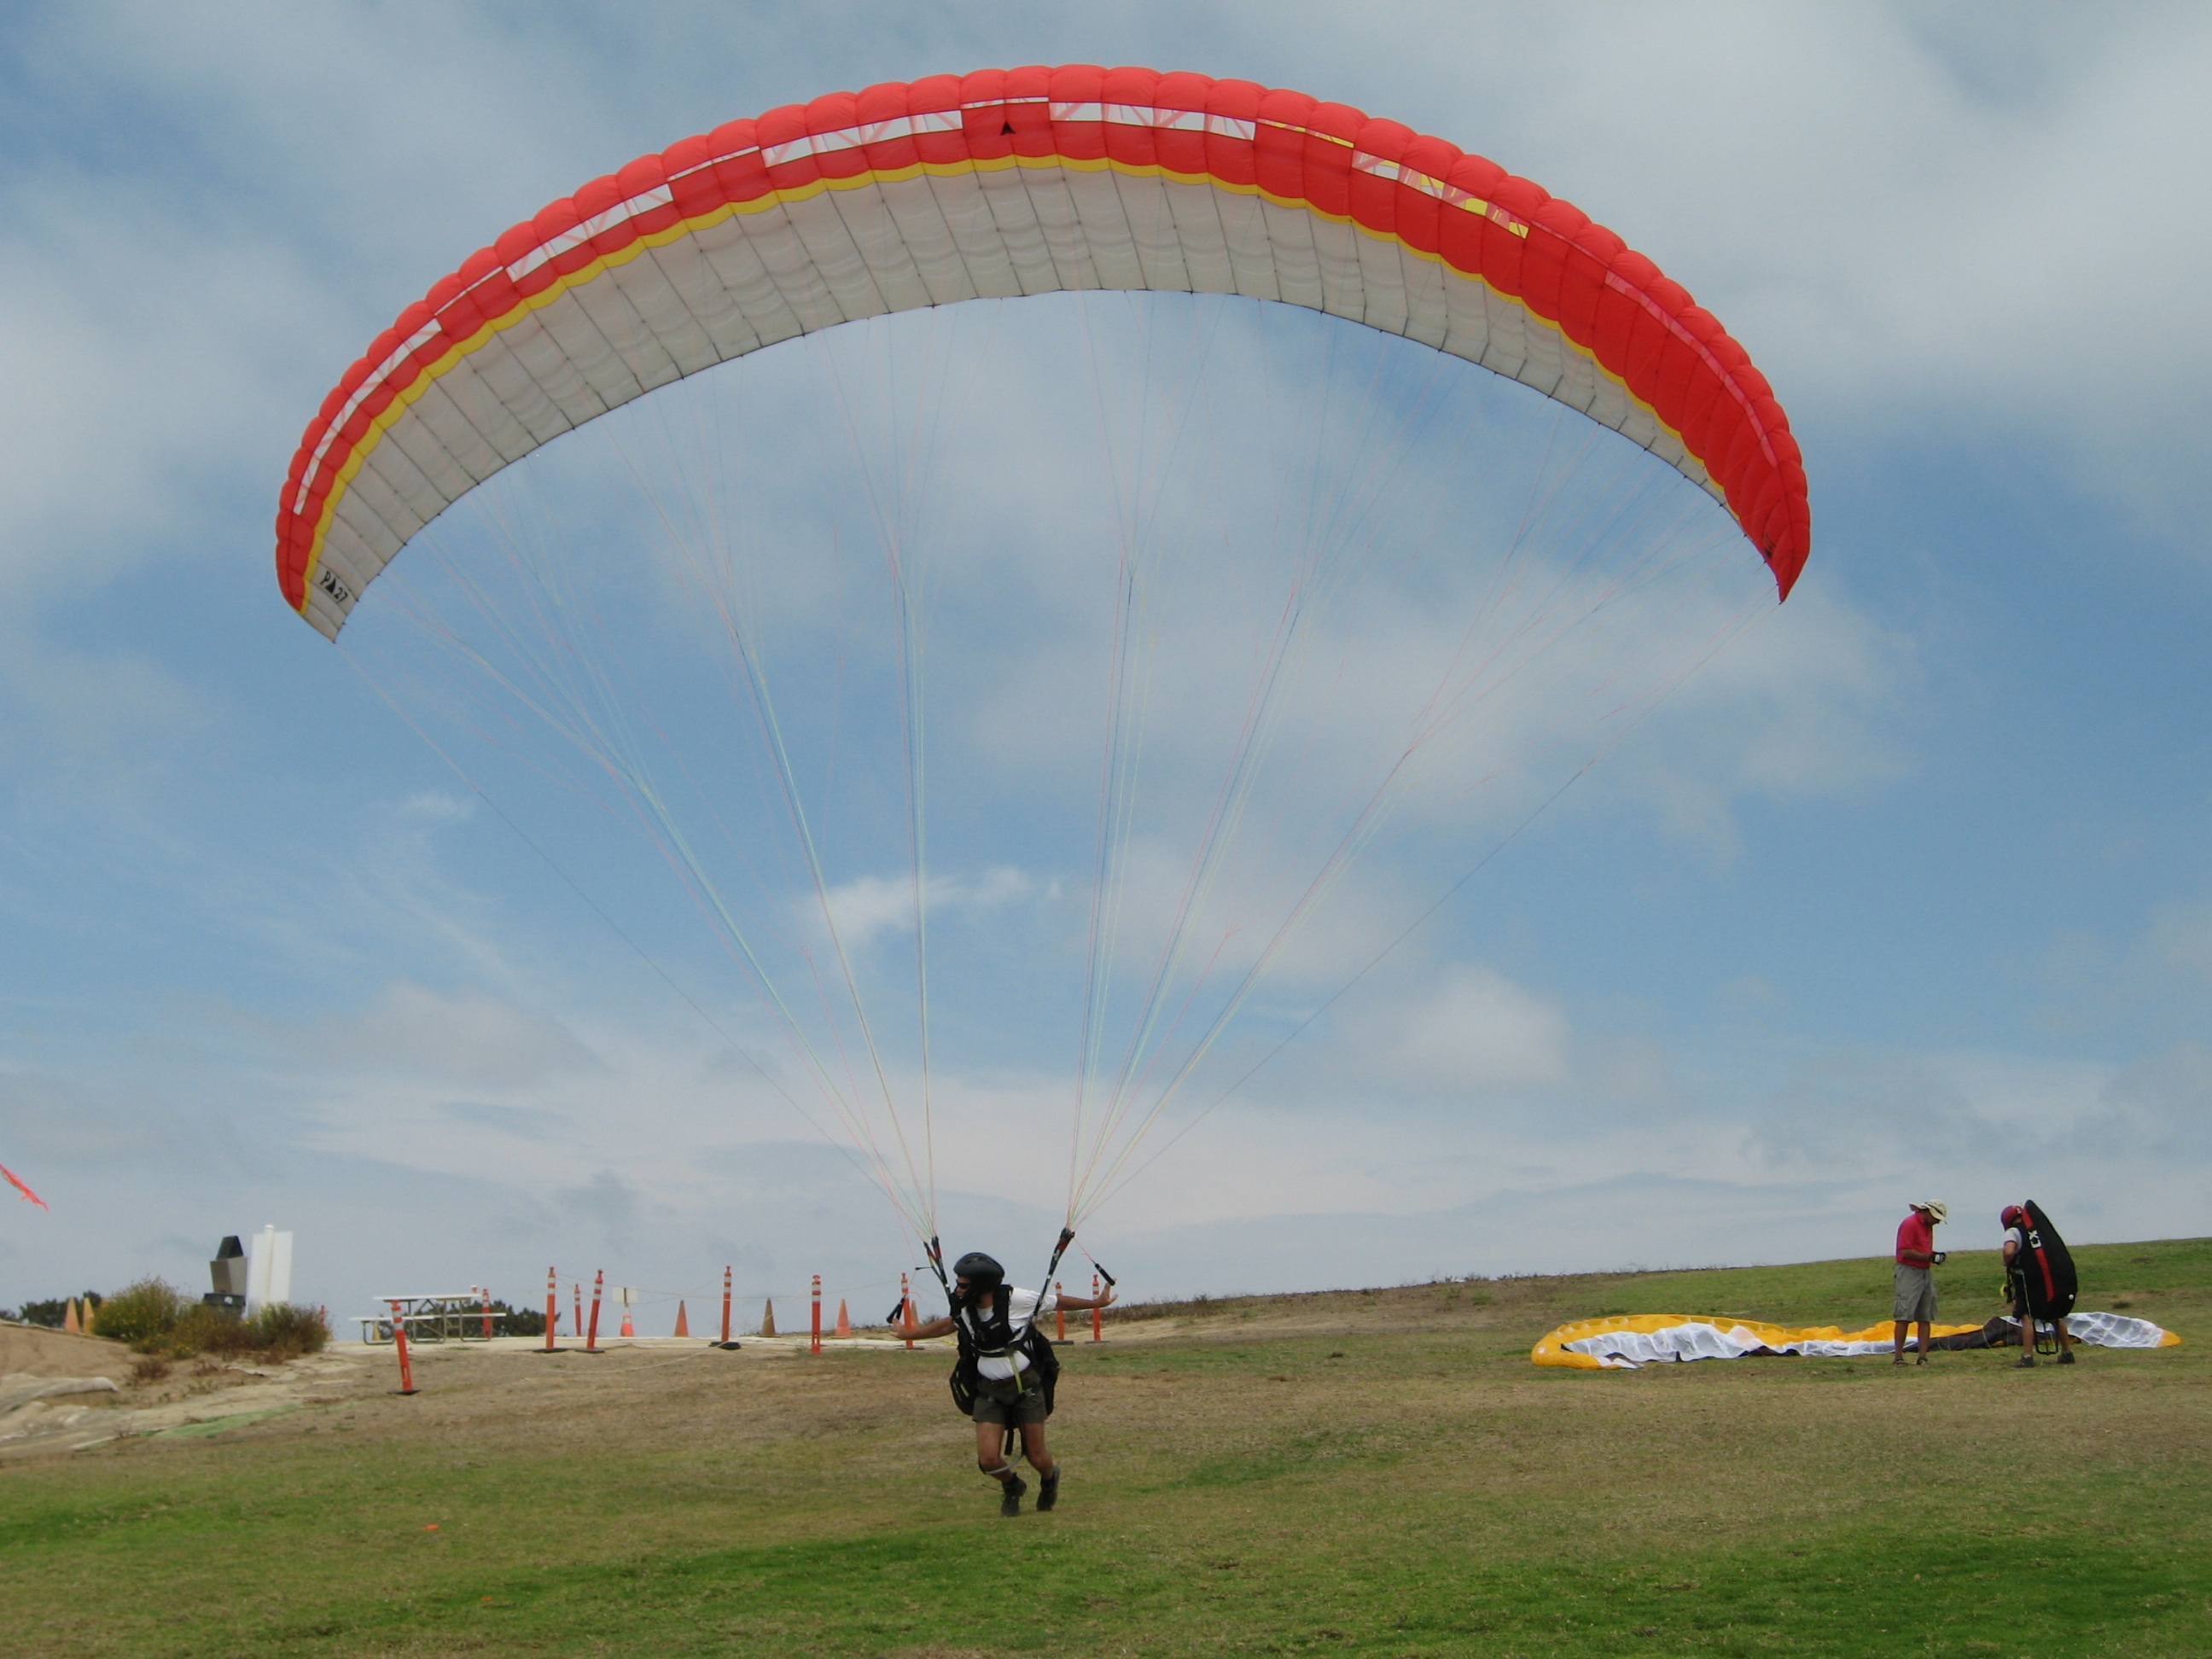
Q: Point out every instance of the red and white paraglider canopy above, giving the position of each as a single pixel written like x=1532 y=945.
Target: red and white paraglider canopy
x=1003 y=183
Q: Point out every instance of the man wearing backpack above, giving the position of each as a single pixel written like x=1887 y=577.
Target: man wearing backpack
x=1006 y=1372
x=2040 y=1278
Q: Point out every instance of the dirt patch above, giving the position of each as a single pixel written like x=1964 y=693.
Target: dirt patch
x=42 y=1415
x=34 y=1351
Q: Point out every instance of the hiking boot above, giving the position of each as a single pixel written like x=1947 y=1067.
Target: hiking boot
x=2027 y=1361
x=2065 y=1358
x=1010 y=1495
x=1048 y=1490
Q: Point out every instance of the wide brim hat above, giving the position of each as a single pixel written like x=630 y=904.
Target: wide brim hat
x=1935 y=1209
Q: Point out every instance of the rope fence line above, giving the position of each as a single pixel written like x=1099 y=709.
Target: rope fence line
x=644 y=1293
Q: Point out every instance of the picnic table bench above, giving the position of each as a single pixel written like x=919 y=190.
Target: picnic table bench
x=458 y=1317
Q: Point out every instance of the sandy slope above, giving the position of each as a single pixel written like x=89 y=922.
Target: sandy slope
x=60 y=1392
x=33 y=1351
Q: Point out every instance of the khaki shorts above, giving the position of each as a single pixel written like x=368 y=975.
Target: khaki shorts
x=1028 y=1408
x=1916 y=1294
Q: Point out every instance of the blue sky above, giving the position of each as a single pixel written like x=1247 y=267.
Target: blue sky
x=1910 y=897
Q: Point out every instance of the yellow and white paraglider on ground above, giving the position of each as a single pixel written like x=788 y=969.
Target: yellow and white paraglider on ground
x=1628 y=1341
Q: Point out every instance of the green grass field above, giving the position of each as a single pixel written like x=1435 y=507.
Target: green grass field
x=1375 y=1473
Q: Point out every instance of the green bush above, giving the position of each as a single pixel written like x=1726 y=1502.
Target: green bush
x=202 y=1329
x=154 y=1317
x=140 y=1314
x=285 y=1330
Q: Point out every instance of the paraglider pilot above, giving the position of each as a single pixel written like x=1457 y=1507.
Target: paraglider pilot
x=1917 y=1257
x=2039 y=1280
x=1006 y=1372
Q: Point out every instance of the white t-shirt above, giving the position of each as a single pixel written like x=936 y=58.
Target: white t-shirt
x=1022 y=1307
x=2015 y=1236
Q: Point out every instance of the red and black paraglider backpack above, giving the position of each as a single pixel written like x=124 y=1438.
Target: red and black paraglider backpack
x=2044 y=1266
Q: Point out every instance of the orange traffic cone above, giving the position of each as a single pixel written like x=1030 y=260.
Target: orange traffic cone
x=767 y=1318
x=68 y=1319
x=844 y=1321
x=682 y=1325
x=630 y=1325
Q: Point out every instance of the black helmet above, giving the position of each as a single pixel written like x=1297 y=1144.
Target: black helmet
x=980 y=1271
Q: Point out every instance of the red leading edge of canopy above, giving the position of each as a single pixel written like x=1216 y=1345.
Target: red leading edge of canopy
x=1670 y=353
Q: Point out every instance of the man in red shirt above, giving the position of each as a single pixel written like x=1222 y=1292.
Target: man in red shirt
x=1917 y=1257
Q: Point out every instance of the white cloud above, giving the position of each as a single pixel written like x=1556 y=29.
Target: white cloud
x=465 y=1037
x=138 y=347
x=1980 y=1119
x=1470 y=1032
x=1805 y=704
x=868 y=906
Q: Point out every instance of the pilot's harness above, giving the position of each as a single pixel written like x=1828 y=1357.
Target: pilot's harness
x=979 y=1340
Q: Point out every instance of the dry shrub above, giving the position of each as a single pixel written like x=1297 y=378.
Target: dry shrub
x=285 y=1330
x=203 y=1329
x=142 y=1313
x=282 y=1330
x=151 y=1368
